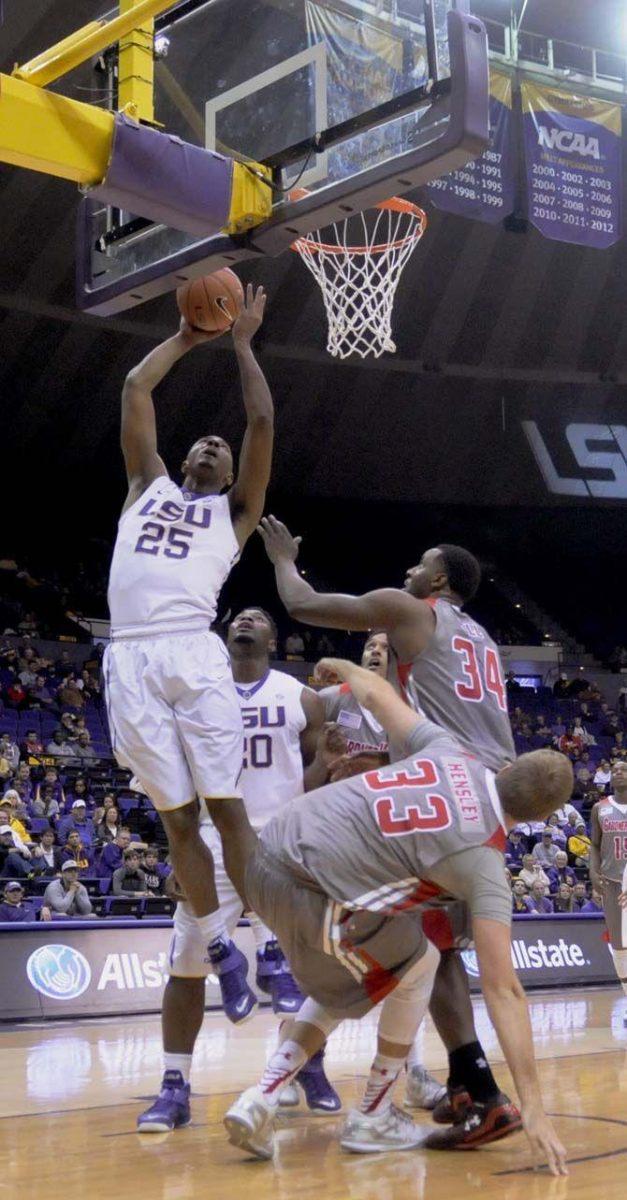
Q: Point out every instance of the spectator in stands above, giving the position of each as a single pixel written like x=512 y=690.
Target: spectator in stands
x=532 y=871
x=69 y=726
x=594 y=904
x=79 y=790
x=21 y=836
x=109 y=823
x=619 y=743
x=47 y=857
x=519 y=896
x=560 y=872
x=45 y=803
x=129 y=879
x=537 y=900
x=77 y=820
x=15 y=695
x=611 y=726
x=50 y=780
x=75 y=851
x=12 y=907
x=294 y=645
x=603 y=774
x=66 y=896
x=580 y=896
x=582 y=733
x=563 y=899
x=70 y=694
x=27 y=676
x=515 y=848
x=23 y=777
x=561 y=688
x=9 y=750
x=113 y=853
x=545 y=850
x=5 y=768
x=13 y=864
x=58 y=746
x=84 y=749
x=578 y=846
x=559 y=837
x=40 y=696
x=565 y=813
x=156 y=872
x=568 y=743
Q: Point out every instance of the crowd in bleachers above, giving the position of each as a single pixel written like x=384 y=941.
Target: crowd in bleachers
x=76 y=840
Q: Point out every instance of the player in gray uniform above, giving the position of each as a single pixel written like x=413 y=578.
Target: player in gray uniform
x=608 y=865
x=341 y=875
x=359 y=727
x=448 y=663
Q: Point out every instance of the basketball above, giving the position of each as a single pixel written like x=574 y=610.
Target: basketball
x=212 y=302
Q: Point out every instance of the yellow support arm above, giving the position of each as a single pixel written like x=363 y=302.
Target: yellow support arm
x=86 y=42
x=136 y=68
x=50 y=133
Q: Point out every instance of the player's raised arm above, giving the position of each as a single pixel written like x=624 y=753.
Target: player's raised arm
x=139 y=426
x=248 y=494
x=374 y=693
x=387 y=608
x=507 y=1006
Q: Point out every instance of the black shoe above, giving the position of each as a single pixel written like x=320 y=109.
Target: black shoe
x=484 y=1123
x=454 y=1108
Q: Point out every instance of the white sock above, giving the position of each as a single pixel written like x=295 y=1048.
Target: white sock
x=383 y=1075
x=178 y=1062
x=261 y=933
x=620 y=963
x=414 y=1058
x=212 y=926
x=282 y=1066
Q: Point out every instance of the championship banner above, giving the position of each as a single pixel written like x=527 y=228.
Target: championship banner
x=484 y=189
x=574 y=173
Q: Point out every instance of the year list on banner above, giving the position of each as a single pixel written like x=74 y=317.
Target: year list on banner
x=484 y=189
x=574 y=174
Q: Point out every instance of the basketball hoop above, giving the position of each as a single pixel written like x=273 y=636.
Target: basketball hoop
x=358 y=269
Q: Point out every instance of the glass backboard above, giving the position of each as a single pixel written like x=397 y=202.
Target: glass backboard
x=335 y=96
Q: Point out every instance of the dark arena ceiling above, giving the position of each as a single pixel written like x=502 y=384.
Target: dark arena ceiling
x=491 y=323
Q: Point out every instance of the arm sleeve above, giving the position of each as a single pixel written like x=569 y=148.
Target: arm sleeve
x=83 y=903
x=117 y=881
x=477 y=875
x=426 y=735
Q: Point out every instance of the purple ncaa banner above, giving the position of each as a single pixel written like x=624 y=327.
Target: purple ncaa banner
x=574 y=172
x=484 y=189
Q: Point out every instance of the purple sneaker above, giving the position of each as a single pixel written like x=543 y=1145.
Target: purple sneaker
x=275 y=978
x=238 y=1000
x=171 y=1108
x=321 y=1097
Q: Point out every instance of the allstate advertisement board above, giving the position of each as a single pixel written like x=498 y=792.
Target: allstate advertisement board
x=88 y=970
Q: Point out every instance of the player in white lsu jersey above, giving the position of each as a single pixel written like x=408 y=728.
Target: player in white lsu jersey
x=286 y=752
x=173 y=710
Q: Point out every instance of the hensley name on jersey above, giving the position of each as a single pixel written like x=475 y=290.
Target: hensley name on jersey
x=355 y=840
x=361 y=730
x=457 y=681
x=173 y=552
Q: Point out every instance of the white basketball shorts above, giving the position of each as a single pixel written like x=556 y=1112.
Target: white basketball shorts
x=188 y=955
x=174 y=716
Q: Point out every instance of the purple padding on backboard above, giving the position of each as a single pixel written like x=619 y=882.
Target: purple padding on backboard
x=156 y=175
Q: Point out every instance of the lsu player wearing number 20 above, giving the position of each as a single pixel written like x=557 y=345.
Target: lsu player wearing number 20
x=173 y=710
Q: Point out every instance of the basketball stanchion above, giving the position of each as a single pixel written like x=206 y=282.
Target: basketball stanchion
x=357 y=265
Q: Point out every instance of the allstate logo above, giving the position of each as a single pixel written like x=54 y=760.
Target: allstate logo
x=469 y=959
x=59 y=972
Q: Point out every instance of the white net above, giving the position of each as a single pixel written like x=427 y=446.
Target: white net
x=358 y=267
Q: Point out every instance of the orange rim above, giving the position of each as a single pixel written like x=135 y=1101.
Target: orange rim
x=306 y=245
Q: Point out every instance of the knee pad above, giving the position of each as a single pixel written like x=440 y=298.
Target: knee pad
x=314 y=1014
x=403 y=1010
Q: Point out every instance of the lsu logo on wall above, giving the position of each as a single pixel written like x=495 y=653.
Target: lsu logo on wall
x=58 y=972
x=594 y=448
x=568 y=142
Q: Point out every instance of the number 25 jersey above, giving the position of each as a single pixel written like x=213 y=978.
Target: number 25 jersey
x=457 y=681
x=173 y=553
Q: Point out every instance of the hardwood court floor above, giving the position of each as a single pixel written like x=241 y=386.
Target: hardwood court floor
x=69 y=1095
